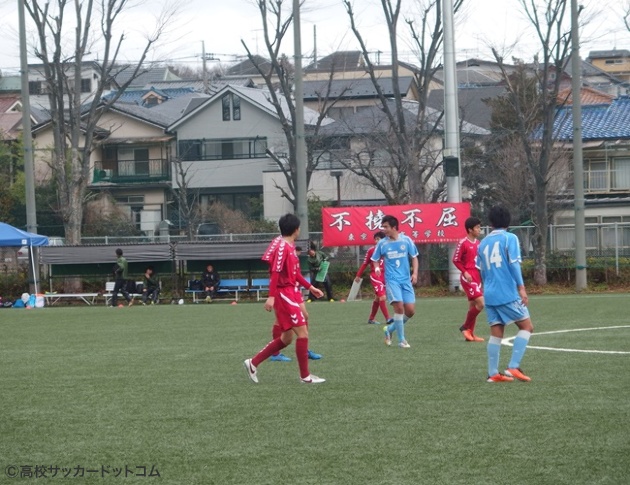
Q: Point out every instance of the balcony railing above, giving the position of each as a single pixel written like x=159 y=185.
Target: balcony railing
x=609 y=180
x=132 y=171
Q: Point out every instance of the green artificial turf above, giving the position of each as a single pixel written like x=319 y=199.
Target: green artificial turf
x=96 y=388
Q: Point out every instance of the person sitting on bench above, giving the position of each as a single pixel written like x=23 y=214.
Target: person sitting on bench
x=151 y=287
x=210 y=282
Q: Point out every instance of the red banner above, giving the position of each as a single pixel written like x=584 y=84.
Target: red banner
x=424 y=223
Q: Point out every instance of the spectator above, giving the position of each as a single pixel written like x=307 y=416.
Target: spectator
x=120 y=279
x=210 y=282
x=315 y=260
x=151 y=288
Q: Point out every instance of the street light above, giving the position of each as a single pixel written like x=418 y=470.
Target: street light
x=337 y=174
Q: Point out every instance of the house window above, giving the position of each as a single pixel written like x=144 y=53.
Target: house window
x=236 y=108
x=225 y=101
x=231 y=107
x=189 y=150
x=34 y=87
x=227 y=150
x=223 y=149
x=86 y=85
x=597 y=176
x=621 y=174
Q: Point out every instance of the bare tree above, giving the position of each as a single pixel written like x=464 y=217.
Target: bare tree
x=187 y=198
x=537 y=114
x=415 y=176
x=62 y=45
x=278 y=77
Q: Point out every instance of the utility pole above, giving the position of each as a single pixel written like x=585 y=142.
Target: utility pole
x=27 y=140
x=300 y=140
x=205 y=67
x=451 y=129
x=578 y=165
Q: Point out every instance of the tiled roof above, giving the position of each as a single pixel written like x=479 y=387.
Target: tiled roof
x=6 y=101
x=247 y=67
x=152 y=75
x=372 y=119
x=609 y=53
x=162 y=114
x=10 y=125
x=473 y=107
x=353 y=88
x=589 y=96
x=599 y=122
x=339 y=61
x=135 y=96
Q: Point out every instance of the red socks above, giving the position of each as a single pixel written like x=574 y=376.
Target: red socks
x=383 y=306
x=374 y=310
x=273 y=347
x=301 y=352
x=471 y=319
x=276 y=332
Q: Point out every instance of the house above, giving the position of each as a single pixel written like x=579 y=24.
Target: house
x=223 y=143
x=145 y=77
x=133 y=153
x=352 y=95
x=615 y=62
x=606 y=158
x=364 y=136
x=351 y=65
x=10 y=117
x=38 y=88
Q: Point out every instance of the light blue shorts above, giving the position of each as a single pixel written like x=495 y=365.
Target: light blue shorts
x=506 y=314
x=400 y=292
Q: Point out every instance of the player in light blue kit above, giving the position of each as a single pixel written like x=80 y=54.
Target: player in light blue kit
x=396 y=249
x=499 y=260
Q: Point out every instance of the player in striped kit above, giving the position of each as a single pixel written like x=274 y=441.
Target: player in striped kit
x=464 y=260
x=283 y=300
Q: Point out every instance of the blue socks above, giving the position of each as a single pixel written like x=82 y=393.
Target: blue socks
x=400 y=326
x=494 y=352
x=520 y=345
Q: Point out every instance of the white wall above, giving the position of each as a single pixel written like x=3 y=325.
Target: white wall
x=209 y=125
x=323 y=185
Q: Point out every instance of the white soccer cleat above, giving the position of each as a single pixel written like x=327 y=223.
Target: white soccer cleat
x=313 y=379
x=404 y=345
x=251 y=370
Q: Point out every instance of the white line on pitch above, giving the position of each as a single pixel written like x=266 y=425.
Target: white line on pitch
x=508 y=341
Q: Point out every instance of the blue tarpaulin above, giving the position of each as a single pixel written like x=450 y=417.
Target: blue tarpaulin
x=12 y=236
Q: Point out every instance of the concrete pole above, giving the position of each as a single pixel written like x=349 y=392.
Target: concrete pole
x=578 y=166
x=300 y=140
x=451 y=129
x=204 y=61
x=27 y=141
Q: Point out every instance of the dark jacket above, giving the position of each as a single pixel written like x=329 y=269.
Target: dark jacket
x=150 y=283
x=210 y=278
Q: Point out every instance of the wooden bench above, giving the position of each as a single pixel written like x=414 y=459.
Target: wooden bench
x=88 y=298
x=109 y=288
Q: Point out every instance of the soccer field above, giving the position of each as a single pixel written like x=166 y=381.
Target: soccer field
x=88 y=392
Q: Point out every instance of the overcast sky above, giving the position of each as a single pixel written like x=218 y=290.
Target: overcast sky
x=222 y=24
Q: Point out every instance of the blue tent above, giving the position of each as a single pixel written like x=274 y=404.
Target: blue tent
x=12 y=236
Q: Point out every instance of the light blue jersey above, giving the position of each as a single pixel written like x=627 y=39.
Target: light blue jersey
x=499 y=260
x=396 y=254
